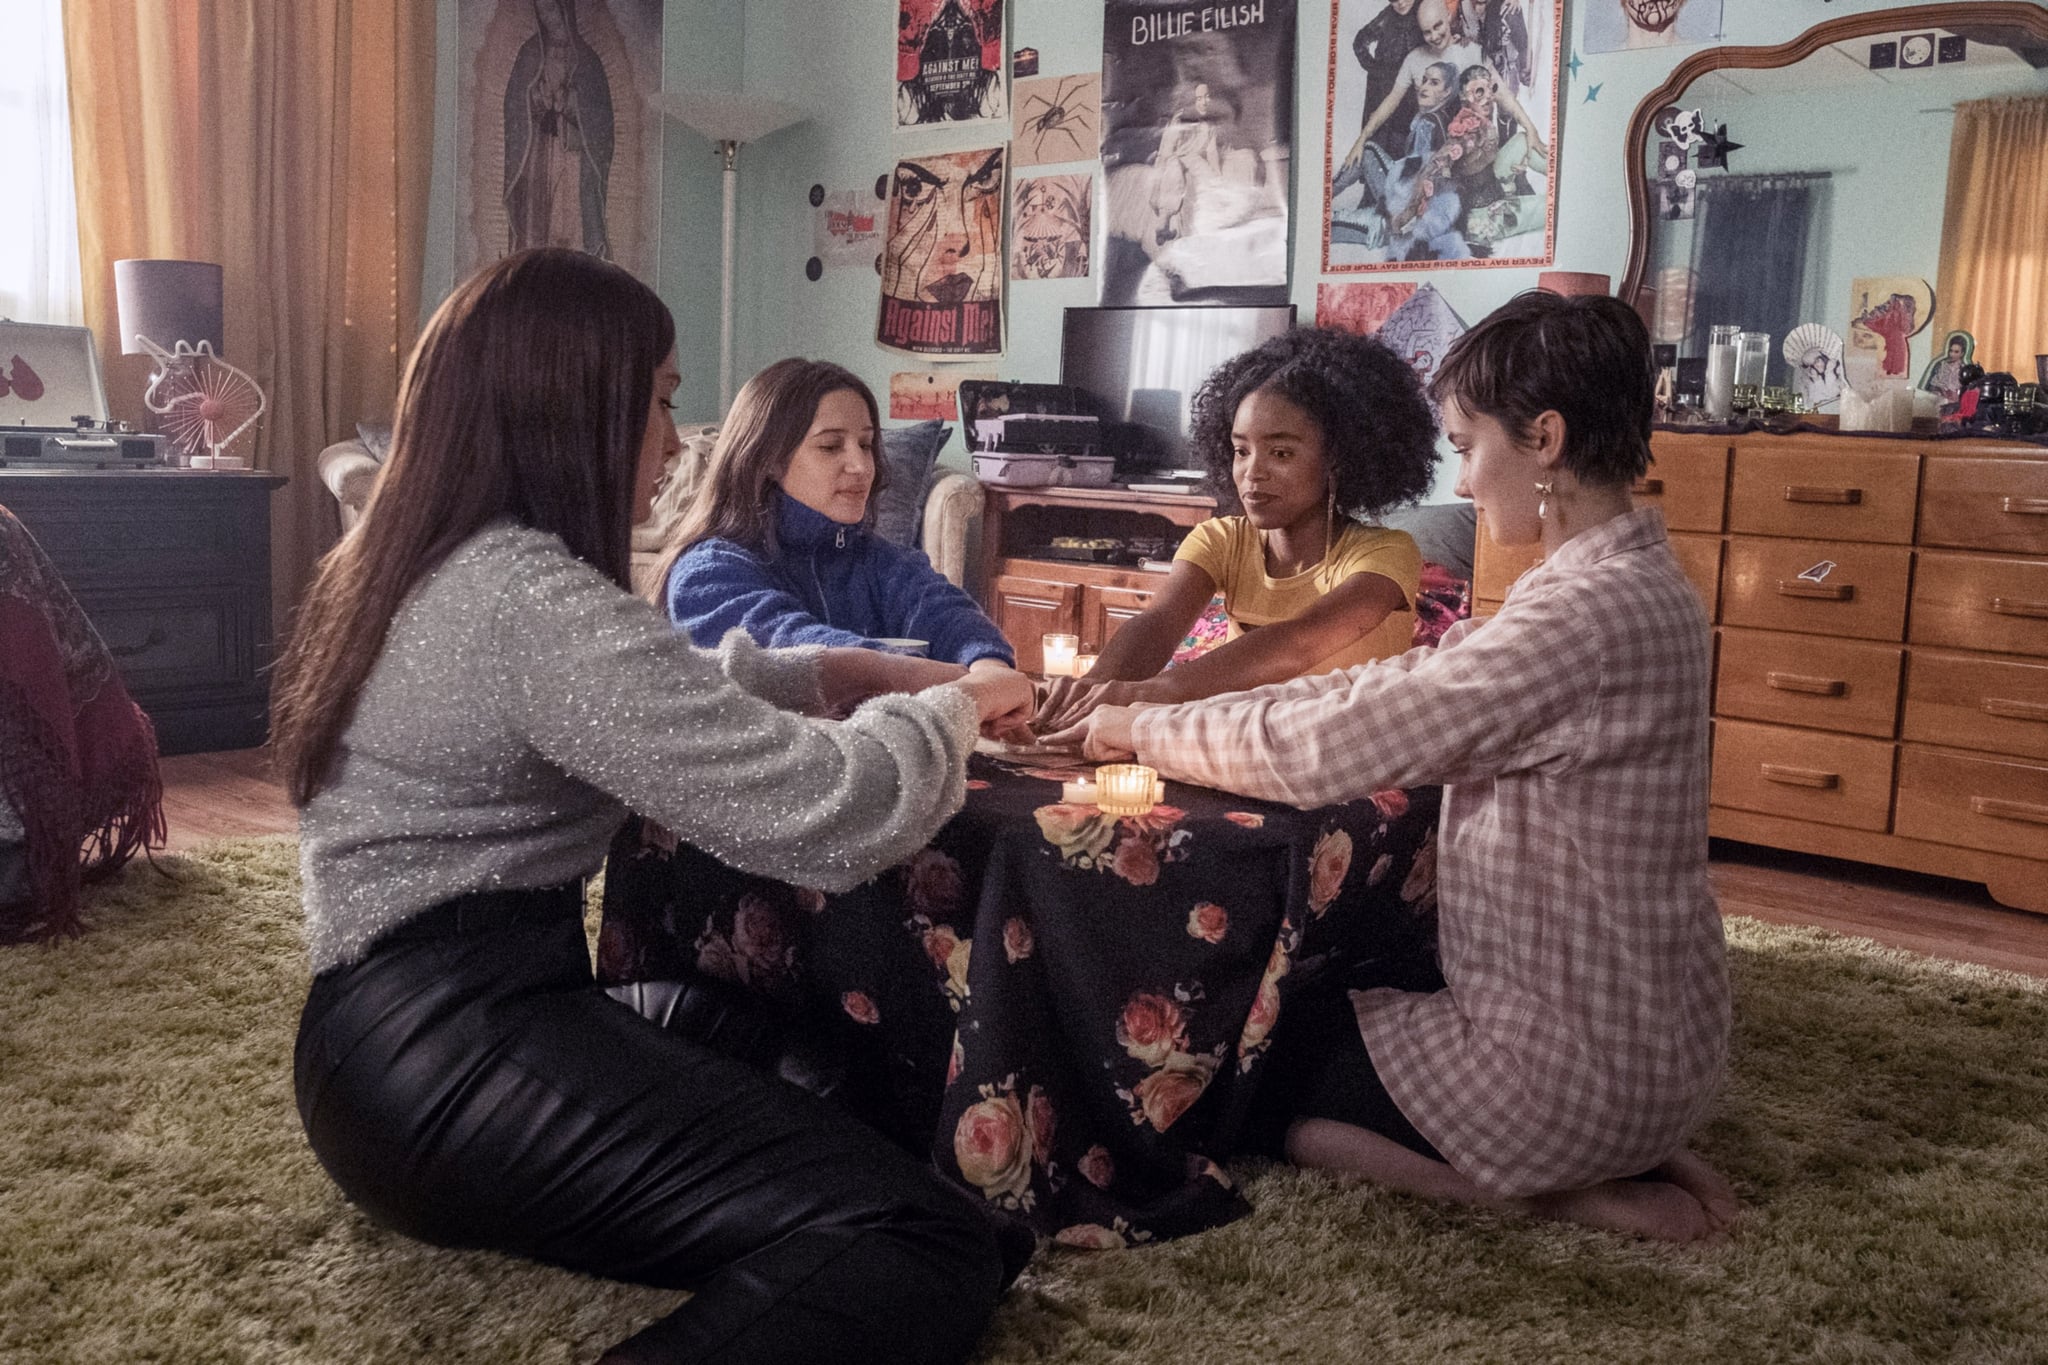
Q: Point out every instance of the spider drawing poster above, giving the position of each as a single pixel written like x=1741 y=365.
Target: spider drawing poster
x=1058 y=118
x=942 y=262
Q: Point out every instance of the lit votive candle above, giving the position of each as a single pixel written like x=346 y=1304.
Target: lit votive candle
x=1126 y=788
x=1079 y=791
x=1059 y=654
x=1083 y=664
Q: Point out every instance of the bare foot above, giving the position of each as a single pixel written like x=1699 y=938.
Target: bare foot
x=1690 y=1172
x=1656 y=1209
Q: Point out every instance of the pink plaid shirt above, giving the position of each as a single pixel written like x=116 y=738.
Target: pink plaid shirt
x=1586 y=1022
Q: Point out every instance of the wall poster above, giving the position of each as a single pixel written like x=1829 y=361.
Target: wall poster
x=942 y=260
x=949 y=62
x=555 y=142
x=1197 y=141
x=1440 y=134
x=1617 y=25
x=1059 y=118
x=1049 y=232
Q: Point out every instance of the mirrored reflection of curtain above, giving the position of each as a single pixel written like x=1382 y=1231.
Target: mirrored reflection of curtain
x=291 y=143
x=1749 y=255
x=1993 y=280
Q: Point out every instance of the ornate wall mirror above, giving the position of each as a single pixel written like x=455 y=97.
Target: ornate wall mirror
x=1844 y=133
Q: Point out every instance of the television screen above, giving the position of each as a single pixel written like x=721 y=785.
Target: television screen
x=1140 y=367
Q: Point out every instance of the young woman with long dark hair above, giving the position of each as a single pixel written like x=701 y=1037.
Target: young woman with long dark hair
x=470 y=702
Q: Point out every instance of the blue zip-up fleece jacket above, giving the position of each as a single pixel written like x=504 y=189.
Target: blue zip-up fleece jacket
x=831 y=584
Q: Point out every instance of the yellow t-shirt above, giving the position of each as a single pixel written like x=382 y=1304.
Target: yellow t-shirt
x=1229 y=550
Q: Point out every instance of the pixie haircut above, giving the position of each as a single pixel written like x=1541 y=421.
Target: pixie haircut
x=1379 y=435
x=1585 y=358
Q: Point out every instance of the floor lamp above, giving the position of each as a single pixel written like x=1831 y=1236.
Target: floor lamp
x=728 y=119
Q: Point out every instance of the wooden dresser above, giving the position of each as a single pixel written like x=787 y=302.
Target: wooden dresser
x=173 y=568
x=1029 y=596
x=1880 y=613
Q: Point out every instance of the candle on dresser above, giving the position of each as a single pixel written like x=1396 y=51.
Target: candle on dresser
x=1126 y=788
x=1083 y=663
x=1059 y=651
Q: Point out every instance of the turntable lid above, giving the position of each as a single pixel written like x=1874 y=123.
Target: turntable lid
x=49 y=375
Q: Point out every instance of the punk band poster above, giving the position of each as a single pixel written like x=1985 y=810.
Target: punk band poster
x=1441 y=131
x=942 y=260
x=1197 y=141
x=949 y=62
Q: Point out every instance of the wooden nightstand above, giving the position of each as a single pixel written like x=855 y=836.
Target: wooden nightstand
x=1029 y=597
x=173 y=568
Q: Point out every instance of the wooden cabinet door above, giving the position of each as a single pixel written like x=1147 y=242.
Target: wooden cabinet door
x=1104 y=612
x=1026 y=608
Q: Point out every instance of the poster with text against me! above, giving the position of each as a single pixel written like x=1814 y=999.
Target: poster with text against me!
x=555 y=143
x=1440 y=134
x=942 y=260
x=1197 y=144
x=949 y=63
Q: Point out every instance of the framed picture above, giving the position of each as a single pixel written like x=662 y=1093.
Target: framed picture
x=1440 y=130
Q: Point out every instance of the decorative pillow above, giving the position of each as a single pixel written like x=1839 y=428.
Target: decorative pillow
x=1443 y=531
x=678 y=485
x=910 y=454
x=376 y=438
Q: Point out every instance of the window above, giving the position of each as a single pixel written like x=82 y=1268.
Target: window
x=39 y=279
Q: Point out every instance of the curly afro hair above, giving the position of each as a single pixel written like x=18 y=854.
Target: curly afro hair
x=1379 y=433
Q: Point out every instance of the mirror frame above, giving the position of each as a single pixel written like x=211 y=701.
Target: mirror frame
x=1969 y=13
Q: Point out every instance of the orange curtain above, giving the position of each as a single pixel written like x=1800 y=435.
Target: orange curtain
x=1994 y=233
x=293 y=144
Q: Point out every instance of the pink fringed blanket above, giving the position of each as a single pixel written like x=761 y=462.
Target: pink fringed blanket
x=77 y=756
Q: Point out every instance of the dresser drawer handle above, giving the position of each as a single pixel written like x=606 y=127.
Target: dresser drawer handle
x=2020 y=606
x=2009 y=810
x=149 y=642
x=1651 y=488
x=2009 y=709
x=1804 y=492
x=1799 y=777
x=1799 y=682
x=1826 y=592
x=2025 y=507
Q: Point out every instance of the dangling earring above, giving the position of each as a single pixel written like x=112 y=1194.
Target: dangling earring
x=1330 y=521
x=1544 y=488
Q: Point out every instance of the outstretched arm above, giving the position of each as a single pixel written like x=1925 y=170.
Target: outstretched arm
x=1139 y=650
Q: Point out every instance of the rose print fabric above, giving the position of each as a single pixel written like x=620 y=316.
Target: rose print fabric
x=1067 y=1011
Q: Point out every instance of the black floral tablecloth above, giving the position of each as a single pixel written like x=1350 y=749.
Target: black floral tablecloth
x=1067 y=1010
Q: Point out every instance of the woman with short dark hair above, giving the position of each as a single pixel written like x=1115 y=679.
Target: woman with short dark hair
x=470 y=702
x=1579 y=1029
x=1310 y=436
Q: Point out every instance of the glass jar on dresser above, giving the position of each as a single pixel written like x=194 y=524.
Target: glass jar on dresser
x=1880 y=610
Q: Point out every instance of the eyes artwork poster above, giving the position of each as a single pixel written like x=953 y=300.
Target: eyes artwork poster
x=942 y=259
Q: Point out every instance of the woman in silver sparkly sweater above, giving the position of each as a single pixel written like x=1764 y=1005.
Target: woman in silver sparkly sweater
x=470 y=703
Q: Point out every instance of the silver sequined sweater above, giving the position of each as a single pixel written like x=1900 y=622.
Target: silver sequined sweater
x=522 y=703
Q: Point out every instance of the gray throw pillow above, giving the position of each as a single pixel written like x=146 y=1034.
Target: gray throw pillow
x=376 y=438
x=909 y=453
x=1443 y=531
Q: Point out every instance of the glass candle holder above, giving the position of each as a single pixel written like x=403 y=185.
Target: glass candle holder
x=1059 y=652
x=1720 y=381
x=1084 y=664
x=1744 y=399
x=1126 y=788
x=1752 y=358
x=1777 y=399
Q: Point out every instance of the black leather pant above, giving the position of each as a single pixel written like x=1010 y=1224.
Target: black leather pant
x=467 y=1084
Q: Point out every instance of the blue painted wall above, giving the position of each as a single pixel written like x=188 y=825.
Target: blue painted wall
x=833 y=57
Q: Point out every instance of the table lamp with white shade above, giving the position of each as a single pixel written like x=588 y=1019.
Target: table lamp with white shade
x=728 y=119
x=172 y=310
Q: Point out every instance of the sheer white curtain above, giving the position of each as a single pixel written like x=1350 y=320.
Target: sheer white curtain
x=39 y=231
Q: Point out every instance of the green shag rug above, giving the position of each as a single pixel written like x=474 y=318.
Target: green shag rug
x=1886 y=1121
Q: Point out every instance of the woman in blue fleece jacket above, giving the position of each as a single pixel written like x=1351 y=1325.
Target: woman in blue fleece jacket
x=780 y=544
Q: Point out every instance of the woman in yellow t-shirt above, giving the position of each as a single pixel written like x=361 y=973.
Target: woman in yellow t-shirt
x=1311 y=435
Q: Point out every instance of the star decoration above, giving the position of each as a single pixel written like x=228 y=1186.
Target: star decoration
x=1593 y=92
x=1714 y=148
x=1573 y=65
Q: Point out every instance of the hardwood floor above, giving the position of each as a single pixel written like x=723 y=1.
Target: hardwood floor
x=229 y=795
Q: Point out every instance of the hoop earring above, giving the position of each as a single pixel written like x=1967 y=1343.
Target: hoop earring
x=1544 y=488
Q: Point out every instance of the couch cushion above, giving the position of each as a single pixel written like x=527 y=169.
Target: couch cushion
x=678 y=486
x=376 y=438
x=910 y=453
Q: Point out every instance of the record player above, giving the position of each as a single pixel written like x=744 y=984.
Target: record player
x=53 y=405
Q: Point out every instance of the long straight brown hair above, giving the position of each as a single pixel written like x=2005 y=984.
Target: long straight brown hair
x=770 y=417
x=527 y=397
